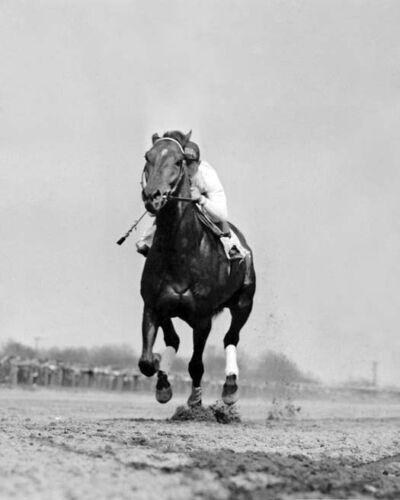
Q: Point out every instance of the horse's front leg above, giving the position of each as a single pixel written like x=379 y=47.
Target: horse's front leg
x=149 y=362
x=163 y=387
x=201 y=331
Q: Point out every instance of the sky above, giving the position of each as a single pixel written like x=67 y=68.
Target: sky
x=297 y=106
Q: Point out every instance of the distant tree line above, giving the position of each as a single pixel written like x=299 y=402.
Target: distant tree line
x=113 y=355
x=269 y=367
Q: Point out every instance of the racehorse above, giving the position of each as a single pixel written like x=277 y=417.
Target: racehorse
x=187 y=274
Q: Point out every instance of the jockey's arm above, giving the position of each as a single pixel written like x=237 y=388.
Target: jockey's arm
x=213 y=200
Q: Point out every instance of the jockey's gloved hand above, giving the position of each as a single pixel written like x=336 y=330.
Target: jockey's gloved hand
x=195 y=193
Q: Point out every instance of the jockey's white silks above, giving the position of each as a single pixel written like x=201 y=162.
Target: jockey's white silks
x=167 y=359
x=231 y=367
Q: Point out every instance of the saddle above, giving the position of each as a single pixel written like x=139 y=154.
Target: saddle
x=220 y=229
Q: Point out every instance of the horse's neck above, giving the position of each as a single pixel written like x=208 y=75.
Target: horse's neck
x=177 y=224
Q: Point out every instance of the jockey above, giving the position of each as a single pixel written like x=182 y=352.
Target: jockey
x=206 y=189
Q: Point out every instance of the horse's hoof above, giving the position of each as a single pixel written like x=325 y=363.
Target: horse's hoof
x=195 y=397
x=147 y=368
x=150 y=367
x=230 y=390
x=163 y=388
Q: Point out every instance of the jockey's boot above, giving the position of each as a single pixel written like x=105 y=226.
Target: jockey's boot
x=142 y=248
x=233 y=250
x=234 y=253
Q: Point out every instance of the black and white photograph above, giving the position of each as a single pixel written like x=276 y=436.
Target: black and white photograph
x=200 y=249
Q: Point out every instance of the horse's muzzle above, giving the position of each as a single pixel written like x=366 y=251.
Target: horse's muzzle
x=154 y=202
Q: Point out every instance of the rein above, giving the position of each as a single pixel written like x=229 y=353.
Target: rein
x=179 y=198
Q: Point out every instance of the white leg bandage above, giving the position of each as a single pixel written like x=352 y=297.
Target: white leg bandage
x=231 y=367
x=167 y=359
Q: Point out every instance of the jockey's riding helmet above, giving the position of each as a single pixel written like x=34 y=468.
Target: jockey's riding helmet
x=192 y=152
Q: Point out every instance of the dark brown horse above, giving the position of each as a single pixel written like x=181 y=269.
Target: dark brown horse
x=187 y=274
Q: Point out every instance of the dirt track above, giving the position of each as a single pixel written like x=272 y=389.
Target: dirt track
x=65 y=445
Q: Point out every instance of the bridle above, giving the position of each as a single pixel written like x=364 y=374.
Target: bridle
x=170 y=196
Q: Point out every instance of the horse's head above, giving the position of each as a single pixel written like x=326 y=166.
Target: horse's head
x=164 y=169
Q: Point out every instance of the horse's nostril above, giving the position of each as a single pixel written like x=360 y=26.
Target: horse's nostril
x=154 y=200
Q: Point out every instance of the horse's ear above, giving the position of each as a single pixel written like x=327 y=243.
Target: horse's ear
x=187 y=137
x=154 y=137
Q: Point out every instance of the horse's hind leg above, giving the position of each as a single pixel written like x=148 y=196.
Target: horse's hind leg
x=240 y=313
x=196 y=368
x=163 y=387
